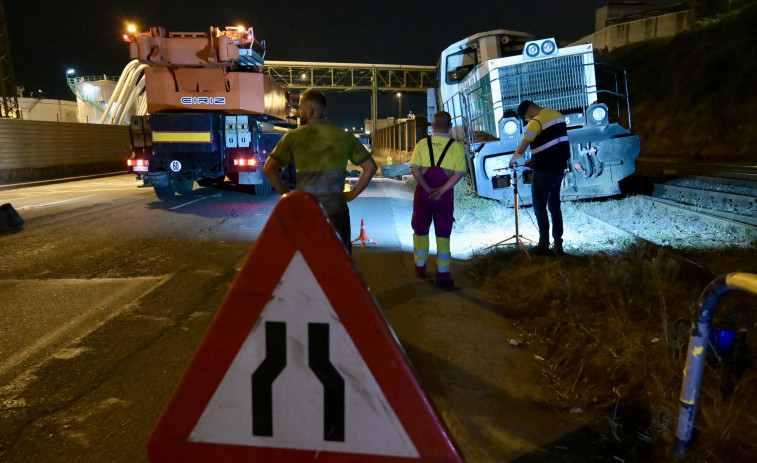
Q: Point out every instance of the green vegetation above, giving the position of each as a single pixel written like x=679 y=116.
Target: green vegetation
x=611 y=332
x=692 y=95
x=610 y=322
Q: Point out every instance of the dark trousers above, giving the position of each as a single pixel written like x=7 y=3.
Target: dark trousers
x=338 y=214
x=545 y=193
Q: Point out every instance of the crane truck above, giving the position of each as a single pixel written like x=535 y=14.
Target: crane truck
x=211 y=112
x=483 y=79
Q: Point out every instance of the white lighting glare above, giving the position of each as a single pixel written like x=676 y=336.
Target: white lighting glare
x=598 y=114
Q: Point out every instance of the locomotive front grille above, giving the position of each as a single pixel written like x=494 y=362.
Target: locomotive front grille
x=559 y=83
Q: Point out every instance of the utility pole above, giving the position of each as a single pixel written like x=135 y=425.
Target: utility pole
x=7 y=80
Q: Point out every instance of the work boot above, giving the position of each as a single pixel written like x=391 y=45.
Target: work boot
x=444 y=284
x=557 y=249
x=540 y=250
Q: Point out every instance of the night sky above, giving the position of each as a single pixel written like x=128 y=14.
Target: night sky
x=47 y=38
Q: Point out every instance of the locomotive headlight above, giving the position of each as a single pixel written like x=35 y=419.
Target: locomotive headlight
x=508 y=130
x=597 y=115
x=548 y=47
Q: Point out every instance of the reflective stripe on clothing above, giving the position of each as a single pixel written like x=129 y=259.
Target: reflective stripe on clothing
x=443 y=258
x=557 y=120
x=443 y=254
x=549 y=144
x=420 y=250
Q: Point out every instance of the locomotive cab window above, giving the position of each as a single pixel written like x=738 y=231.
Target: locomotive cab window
x=459 y=65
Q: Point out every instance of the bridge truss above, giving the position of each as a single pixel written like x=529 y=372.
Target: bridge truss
x=353 y=76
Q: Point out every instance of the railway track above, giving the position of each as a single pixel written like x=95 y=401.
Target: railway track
x=716 y=210
x=677 y=168
x=733 y=201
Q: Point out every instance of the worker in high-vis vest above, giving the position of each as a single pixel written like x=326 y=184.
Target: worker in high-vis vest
x=438 y=163
x=547 y=134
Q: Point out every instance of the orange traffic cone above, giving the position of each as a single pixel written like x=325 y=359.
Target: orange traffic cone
x=363 y=238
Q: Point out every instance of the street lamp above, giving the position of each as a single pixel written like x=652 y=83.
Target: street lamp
x=399 y=101
x=69 y=72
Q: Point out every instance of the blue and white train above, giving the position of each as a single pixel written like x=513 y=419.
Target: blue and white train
x=483 y=79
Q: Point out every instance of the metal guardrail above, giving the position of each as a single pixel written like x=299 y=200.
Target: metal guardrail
x=399 y=139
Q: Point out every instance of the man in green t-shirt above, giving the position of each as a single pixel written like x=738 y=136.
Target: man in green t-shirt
x=320 y=152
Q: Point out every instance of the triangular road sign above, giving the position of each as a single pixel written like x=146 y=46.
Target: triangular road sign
x=299 y=364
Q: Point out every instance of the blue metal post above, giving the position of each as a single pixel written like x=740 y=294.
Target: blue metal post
x=697 y=350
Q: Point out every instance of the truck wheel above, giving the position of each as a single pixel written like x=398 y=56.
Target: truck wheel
x=233 y=178
x=184 y=187
x=264 y=189
x=164 y=191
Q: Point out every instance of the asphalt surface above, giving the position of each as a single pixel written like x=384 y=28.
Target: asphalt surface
x=107 y=292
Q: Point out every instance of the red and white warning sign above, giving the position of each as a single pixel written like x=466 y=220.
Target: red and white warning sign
x=299 y=364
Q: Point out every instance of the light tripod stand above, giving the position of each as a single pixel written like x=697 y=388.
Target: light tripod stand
x=517 y=237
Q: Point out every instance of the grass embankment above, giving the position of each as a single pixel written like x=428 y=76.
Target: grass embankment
x=692 y=95
x=609 y=324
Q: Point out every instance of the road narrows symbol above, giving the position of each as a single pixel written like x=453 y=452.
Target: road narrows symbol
x=319 y=363
x=333 y=383
x=263 y=377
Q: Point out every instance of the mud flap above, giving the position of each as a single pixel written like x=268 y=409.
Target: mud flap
x=10 y=220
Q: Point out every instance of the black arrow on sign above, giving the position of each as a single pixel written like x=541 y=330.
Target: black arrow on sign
x=264 y=375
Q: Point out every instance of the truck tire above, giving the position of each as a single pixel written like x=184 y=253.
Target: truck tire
x=184 y=186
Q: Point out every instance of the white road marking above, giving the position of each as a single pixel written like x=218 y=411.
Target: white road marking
x=52 y=336
x=50 y=204
x=217 y=195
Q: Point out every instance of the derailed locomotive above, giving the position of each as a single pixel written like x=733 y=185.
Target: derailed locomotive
x=483 y=79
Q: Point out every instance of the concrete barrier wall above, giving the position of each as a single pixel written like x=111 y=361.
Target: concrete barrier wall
x=35 y=150
x=636 y=31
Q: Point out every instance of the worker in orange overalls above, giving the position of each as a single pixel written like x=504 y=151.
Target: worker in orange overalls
x=438 y=163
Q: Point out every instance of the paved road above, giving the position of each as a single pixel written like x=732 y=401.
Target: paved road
x=108 y=291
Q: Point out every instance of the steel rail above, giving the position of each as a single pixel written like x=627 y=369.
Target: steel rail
x=727 y=201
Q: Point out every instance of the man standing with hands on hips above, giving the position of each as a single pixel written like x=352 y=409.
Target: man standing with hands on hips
x=547 y=134
x=438 y=163
x=320 y=151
